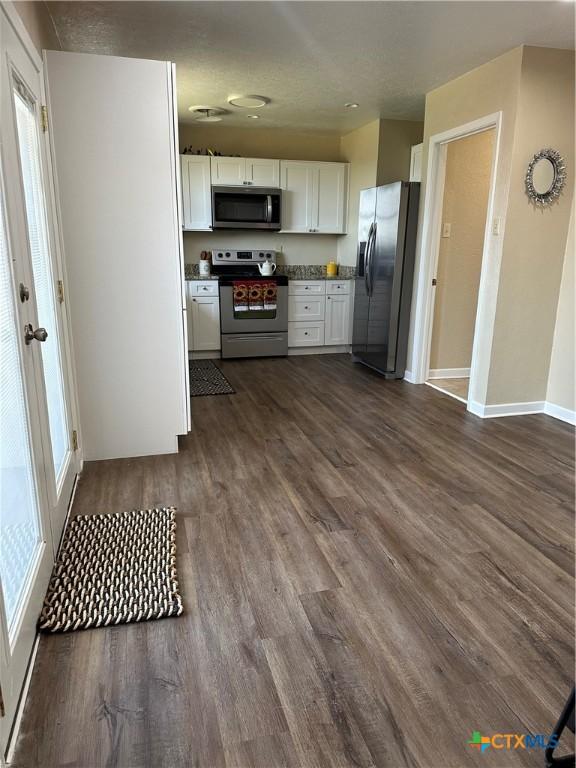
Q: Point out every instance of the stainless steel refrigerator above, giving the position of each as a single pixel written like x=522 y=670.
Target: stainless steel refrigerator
x=387 y=225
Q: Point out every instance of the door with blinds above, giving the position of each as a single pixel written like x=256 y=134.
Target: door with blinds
x=37 y=460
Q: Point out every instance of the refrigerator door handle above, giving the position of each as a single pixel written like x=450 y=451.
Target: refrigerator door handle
x=369 y=267
x=367 y=259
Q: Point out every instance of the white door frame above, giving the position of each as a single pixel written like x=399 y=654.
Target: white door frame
x=60 y=494
x=428 y=264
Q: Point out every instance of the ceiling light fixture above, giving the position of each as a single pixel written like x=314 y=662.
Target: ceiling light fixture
x=207 y=114
x=248 y=102
x=208 y=117
x=351 y=105
x=253 y=117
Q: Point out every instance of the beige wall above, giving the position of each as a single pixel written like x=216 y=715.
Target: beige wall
x=465 y=202
x=535 y=239
x=561 y=384
x=360 y=149
x=262 y=142
x=397 y=137
x=296 y=249
x=38 y=22
x=488 y=89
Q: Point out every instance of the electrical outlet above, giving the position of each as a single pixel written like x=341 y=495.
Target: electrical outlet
x=446 y=230
x=496 y=225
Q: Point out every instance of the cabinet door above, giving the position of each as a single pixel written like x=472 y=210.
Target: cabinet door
x=337 y=321
x=196 y=198
x=262 y=173
x=228 y=171
x=330 y=198
x=297 y=182
x=205 y=323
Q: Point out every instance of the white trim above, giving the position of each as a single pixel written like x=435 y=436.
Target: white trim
x=22 y=702
x=505 y=409
x=215 y=355
x=409 y=377
x=428 y=256
x=558 y=412
x=24 y=36
x=448 y=373
x=327 y=350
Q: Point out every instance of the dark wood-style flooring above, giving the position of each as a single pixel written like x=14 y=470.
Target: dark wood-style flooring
x=369 y=575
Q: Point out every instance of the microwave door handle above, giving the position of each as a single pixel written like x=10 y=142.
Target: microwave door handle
x=268 y=209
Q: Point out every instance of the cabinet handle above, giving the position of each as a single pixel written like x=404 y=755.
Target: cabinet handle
x=328 y=297
x=306 y=307
x=193 y=299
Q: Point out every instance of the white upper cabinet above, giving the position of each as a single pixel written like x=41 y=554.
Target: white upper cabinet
x=228 y=171
x=196 y=196
x=243 y=171
x=297 y=182
x=314 y=197
x=262 y=173
x=331 y=198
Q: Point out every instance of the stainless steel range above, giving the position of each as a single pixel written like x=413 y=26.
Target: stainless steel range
x=253 y=307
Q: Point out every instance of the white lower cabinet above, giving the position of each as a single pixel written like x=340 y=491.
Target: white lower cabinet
x=203 y=316
x=319 y=313
x=337 y=319
x=305 y=334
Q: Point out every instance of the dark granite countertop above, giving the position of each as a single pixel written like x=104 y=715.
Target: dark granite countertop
x=292 y=272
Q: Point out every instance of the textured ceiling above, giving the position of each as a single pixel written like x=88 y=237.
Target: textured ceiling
x=310 y=58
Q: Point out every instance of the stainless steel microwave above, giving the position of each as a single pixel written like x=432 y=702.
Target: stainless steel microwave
x=246 y=208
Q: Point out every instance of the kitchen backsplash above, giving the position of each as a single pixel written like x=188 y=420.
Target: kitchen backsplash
x=292 y=249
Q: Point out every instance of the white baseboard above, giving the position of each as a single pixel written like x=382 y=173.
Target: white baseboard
x=330 y=350
x=505 y=409
x=409 y=377
x=448 y=373
x=215 y=355
x=522 y=409
x=558 y=412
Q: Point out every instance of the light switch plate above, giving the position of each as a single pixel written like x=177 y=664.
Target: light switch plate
x=446 y=230
x=496 y=225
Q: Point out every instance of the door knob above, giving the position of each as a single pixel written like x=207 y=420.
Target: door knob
x=40 y=334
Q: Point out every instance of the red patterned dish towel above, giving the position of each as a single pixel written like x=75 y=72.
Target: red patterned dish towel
x=240 y=293
x=269 y=294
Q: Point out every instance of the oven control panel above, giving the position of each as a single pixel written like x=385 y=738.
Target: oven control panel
x=221 y=256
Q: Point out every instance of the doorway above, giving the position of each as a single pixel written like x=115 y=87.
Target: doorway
x=38 y=463
x=426 y=269
x=467 y=175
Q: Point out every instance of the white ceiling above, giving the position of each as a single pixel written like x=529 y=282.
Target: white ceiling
x=310 y=58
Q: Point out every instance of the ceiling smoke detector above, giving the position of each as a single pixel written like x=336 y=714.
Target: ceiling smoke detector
x=249 y=102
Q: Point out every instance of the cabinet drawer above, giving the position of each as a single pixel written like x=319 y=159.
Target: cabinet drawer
x=308 y=308
x=305 y=334
x=335 y=287
x=204 y=287
x=307 y=287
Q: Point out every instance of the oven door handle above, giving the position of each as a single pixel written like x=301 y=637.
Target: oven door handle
x=268 y=209
x=252 y=336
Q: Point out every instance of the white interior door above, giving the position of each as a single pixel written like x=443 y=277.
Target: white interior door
x=37 y=463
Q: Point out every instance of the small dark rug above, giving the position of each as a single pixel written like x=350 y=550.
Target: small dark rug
x=114 y=569
x=207 y=379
